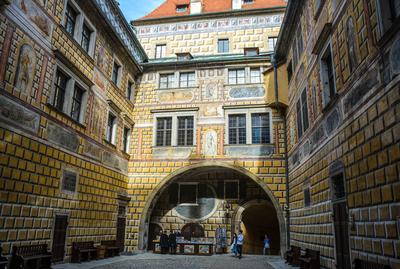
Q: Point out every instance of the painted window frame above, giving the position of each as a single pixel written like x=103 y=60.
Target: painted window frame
x=73 y=81
x=188 y=184
x=248 y=112
x=174 y=133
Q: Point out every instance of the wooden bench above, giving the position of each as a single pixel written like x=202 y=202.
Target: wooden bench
x=112 y=248
x=34 y=256
x=361 y=264
x=293 y=255
x=310 y=260
x=82 y=251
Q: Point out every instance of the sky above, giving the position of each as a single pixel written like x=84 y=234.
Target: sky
x=134 y=9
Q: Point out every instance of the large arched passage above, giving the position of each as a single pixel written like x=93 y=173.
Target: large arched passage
x=219 y=171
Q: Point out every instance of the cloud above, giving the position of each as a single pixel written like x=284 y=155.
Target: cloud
x=134 y=9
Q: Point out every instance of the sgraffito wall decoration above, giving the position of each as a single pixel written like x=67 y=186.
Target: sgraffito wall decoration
x=36 y=15
x=26 y=69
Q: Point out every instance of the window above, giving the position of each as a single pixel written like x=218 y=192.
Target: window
x=185 y=131
x=307 y=193
x=236 y=76
x=223 y=45
x=389 y=12
x=237 y=129
x=116 y=73
x=260 y=128
x=184 y=56
x=251 y=51
x=290 y=71
x=272 y=42
x=126 y=138
x=327 y=76
x=70 y=19
x=69 y=181
x=174 y=129
x=302 y=114
x=248 y=126
x=182 y=8
x=129 y=90
x=188 y=193
x=338 y=187
x=164 y=132
x=77 y=103
x=161 y=51
x=167 y=81
x=69 y=95
x=255 y=75
x=248 y=2
x=187 y=79
x=59 y=90
x=231 y=189
x=86 y=33
x=111 y=128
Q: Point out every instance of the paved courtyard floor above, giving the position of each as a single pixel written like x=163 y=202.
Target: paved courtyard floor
x=154 y=261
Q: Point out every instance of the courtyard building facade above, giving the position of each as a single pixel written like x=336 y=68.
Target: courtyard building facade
x=342 y=59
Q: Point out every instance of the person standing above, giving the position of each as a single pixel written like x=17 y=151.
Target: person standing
x=164 y=243
x=240 y=242
x=234 y=245
x=172 y=243
x=267 y=246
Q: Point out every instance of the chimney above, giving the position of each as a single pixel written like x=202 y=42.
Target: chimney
x=195 y=7
x=236 y=4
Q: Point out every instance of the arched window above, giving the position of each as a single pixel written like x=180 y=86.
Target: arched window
x=192 y=230
x=351 y=44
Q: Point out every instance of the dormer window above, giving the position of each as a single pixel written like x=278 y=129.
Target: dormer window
x=251 y=51
x=184 y=56
x=182 y=8
x=245 y=2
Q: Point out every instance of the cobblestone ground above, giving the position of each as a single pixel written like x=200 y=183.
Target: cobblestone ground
x=151 y=261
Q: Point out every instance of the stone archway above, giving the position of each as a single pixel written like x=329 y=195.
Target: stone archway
x=238 y=221
x=163 y=185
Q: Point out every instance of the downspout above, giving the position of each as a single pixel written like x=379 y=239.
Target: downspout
x=281 y=110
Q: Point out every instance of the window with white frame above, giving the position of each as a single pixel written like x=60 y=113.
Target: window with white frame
x=237 y=76
x=302 y=114
x=272 y=42
x=182 y=8
x=188 y=193
x=248 y=126
x=111 y=128
x=116 y=73
x=126 y=139
x=79 y=27
x=327 y=76
x=174 y=129
x=255 y=75
x=167 y=81
x=223 y=45
x=231 y=189
x=161 y=51
x=187 y=79
x=389 y=12
x=69 y=94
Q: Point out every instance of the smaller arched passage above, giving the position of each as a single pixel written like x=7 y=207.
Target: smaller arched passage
x=188 y=171
x=257 y=218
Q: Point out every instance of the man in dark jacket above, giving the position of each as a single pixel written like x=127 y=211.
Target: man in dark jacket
x=172 y=242
x=164 y=243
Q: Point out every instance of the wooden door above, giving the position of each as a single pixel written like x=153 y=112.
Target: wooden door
x=341 y=224
x=59 y=237
x=121 y=224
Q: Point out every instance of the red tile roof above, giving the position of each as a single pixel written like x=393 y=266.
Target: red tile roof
x=168 y=8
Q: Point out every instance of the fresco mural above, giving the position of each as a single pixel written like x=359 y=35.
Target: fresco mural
x=25 y=69
x=36 y=15
x=210 y=143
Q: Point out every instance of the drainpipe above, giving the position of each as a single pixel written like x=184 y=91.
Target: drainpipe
x=281 y=110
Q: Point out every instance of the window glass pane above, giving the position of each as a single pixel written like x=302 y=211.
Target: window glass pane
x=185 y=131
x=223 y=45
x=86 y=33
x=76 y=103
x=164 y=131
x=59 y=90
x=70 y=20
x=237 y=129
x=161 y=51
x=260 y=125
x=126 y=138
x=255 y=75
x=116 y=68
x=110 y=127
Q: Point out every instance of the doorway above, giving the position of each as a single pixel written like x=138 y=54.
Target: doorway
x=154 y=231
x=341 y=224
x=59 y=237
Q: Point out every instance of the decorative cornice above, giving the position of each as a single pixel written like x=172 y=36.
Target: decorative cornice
x=113 y=16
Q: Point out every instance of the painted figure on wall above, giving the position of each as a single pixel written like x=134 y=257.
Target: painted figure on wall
x=351 y=44
x=36 y=15
x=25 y=69
x=210 y=143
x=102 y=61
